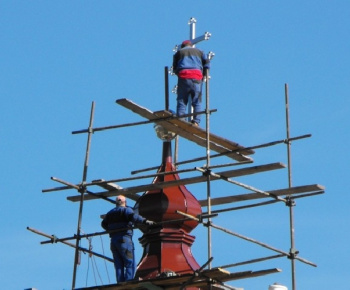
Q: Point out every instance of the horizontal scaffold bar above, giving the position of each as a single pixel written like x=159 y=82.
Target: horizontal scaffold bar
x=131 y=191
x=251 y=196
x=108 y=184
x=54 y=239
x=264 y=145
x=97 y=129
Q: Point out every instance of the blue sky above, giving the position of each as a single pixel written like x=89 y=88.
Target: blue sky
x=59 y=56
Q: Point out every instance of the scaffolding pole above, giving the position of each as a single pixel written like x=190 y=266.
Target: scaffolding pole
x=82 y=192
x=260 y=244
x=283 y=141
x=207 y=115
x=54 y=239
x=293 y=252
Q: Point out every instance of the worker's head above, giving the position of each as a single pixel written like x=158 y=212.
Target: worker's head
x=120 y=200
x=186 y=43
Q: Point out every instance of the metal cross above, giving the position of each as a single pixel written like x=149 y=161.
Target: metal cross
x=192 y=23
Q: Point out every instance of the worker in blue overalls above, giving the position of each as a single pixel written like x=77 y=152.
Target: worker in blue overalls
x=120 y=221
x=190 y=65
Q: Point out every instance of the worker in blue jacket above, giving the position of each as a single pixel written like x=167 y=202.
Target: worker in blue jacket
x=119 y=221
x=190 y=65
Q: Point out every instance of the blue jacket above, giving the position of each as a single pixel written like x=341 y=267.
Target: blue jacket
x=190 y=58
x=121 y=218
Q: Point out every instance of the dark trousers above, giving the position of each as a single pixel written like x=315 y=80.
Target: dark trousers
x=123 y=256
x=187 y=88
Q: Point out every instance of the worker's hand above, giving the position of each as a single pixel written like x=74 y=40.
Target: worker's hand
x=149 y=223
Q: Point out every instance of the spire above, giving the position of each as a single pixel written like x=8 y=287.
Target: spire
x=167 y=247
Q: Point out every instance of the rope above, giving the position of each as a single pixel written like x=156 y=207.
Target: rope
x=93 y=264
x=103 y=251
x=87 y=273
x=98 y=273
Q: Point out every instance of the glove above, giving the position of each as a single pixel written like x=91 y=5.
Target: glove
x=149 y=223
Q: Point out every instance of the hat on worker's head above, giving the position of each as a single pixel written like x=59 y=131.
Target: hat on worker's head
x=186 y=43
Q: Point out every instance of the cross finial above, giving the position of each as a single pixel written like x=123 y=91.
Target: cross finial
x=192 y=22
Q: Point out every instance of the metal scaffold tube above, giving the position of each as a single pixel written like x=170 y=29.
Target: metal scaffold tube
x=82 y=192
x=207 y=115
x=54 y=239
x=291 y=203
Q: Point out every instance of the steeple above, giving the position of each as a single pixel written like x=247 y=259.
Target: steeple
x=167 y=248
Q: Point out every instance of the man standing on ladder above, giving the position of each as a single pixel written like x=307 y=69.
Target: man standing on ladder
x=190 y=65
x=120 y=222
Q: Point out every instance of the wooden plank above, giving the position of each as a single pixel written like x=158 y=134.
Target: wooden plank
x=108 y=186
x=131 y=191
x=201 y=141
x=198 y=280
x=175 y=282
x=230 y=145
x=146 y=113
x=201 y=281
x=245 y=275
x=142 y=111
x=251 y=196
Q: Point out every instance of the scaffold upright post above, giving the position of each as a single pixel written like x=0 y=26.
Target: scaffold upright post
x=82 y=193
x=291 y=204
x=166 y=76
x=207 y=114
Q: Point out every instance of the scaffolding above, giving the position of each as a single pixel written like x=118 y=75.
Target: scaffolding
x=207 y=277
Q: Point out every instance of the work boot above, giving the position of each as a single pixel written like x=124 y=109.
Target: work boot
x=194 y=123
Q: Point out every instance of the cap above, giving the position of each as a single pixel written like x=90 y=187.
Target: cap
x=186 y=42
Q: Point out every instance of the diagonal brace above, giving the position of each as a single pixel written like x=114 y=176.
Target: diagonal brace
x=262 y=244
x=206 y=171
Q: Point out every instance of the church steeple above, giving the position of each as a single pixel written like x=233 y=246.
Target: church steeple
x=167 y=247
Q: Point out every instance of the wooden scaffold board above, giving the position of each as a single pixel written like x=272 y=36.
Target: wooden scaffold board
x=131 y=192
x=189 y=131
x=251 y=196
x=214 y=277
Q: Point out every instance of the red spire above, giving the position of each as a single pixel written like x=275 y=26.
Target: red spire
x=168 y=247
